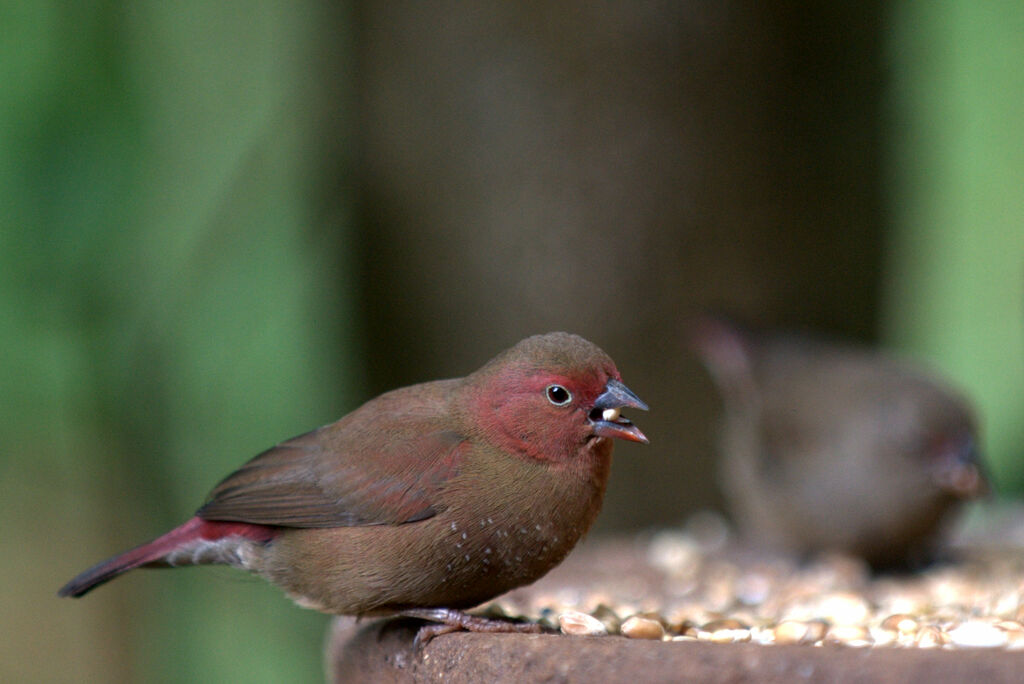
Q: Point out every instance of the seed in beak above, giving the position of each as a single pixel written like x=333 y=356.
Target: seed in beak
x=610 y=415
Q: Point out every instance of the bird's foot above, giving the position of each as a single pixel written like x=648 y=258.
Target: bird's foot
x=447 y=620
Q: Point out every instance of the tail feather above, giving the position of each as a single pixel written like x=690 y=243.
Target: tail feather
x=195 y=531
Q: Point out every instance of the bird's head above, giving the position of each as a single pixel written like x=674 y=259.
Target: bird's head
x=550 y=395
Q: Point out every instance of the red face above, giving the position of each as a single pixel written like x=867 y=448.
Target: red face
x=550 y=415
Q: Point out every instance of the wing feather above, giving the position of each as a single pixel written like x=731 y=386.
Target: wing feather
x=371 y=468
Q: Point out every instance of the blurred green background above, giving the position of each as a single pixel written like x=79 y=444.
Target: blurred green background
x=223 y=224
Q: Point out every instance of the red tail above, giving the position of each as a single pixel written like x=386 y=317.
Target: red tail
x=195 y=531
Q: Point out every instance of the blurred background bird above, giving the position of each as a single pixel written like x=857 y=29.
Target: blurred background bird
x=830 y=447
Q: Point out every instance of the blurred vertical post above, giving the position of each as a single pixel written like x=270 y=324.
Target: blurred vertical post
x=955 y=280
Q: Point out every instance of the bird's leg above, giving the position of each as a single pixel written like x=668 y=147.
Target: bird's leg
x=446 y=620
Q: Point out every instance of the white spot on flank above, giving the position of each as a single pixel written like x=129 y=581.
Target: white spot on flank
x=227 y=550
x=463 y=535
x=454 y=528
x=304 y=602
x=487 y=550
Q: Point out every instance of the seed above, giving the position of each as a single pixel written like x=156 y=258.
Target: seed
x=844 y=608
x=930 y=636
x=689 y=631
x=685 y=616
x=608 y=618
x=729 y=636
x=762 y=635
x=799 y=631
x=849 y=635
x=978 y=634
x=723 y=623
x=580 y=624
x=883 y=637
x=1014 y=634
x=642 y=628
x=790 y=632
x=900 y=622
x=724 y=631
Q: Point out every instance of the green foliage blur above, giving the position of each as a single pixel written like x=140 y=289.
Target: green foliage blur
x=954 y=273
x=167 y=312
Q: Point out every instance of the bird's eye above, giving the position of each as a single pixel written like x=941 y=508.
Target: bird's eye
x=558 y=395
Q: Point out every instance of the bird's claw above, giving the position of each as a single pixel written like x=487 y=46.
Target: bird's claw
x=447 y=620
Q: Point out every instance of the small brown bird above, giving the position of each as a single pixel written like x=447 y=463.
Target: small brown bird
x=829 y=447
x=424 y=501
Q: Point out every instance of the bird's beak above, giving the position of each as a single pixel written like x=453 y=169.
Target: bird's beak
x=605 y=416
x=960 y=471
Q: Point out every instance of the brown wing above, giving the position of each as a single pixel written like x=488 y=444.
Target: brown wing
x=350 y=473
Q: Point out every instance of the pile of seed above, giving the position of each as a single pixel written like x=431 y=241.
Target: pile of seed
x=691 y=584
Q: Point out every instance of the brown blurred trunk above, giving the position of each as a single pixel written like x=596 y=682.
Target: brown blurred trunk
x=606 y=169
